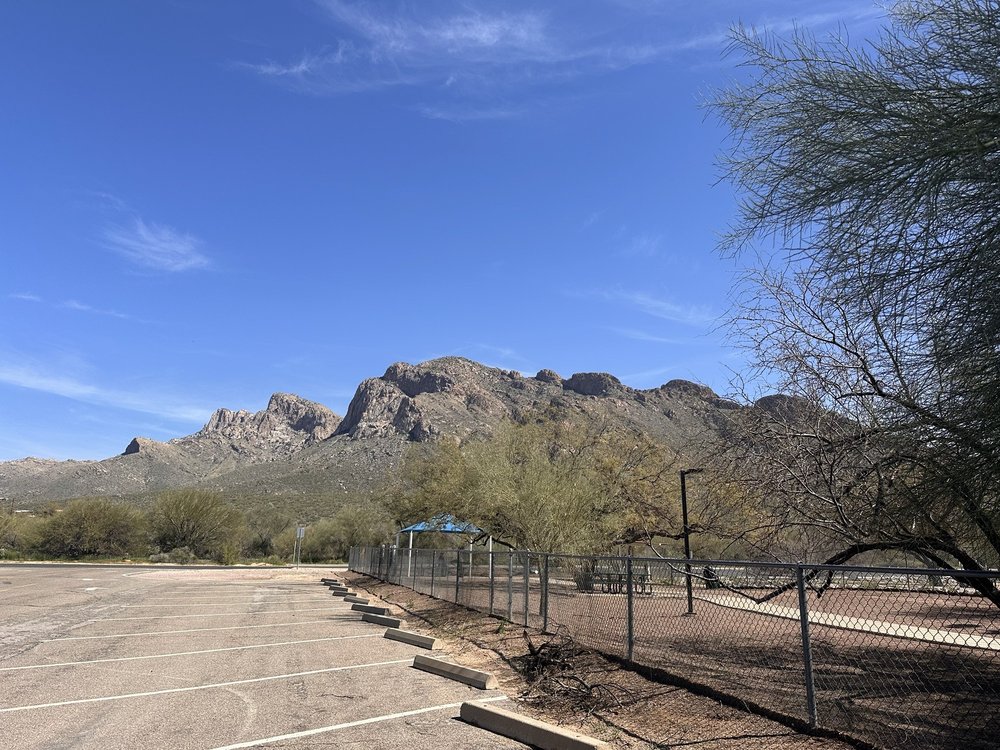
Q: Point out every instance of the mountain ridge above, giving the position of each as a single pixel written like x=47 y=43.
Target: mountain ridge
x=296 y=448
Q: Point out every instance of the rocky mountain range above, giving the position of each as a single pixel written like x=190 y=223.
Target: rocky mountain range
x=298 y=453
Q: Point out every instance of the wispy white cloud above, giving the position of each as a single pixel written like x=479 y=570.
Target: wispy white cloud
x=30 y=376
x=692 y=315
x=468 y=35
x=637 y=335
x=345 y=68
x=850 y=13
x=460 y=55
x=155 y=246
x=72 y=304
x=643 y=246
x=108 y=200
x=467 y=113
x=462 y=51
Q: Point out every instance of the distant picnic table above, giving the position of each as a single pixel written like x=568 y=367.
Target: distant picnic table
x=616 y=581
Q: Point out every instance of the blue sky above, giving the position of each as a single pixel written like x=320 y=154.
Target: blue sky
x=202 y=203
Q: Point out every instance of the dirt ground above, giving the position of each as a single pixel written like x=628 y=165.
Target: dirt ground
x=554 y=680
x=882 y=688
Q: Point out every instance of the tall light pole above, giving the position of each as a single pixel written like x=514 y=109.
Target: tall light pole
x=687 y=537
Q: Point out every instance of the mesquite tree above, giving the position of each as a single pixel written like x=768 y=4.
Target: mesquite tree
x=869 y=221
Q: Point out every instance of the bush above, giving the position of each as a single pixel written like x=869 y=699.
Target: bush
x=178 y=556
x=94 y=527
x=330 y=539
x=201 y=521
x=265 y=525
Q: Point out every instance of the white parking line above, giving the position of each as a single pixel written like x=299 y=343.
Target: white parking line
x=349 y=724
x=191 y=653
x=241 y=597
x=219 y=614
x=145 y=606
x=168 y=691
x=173 y=632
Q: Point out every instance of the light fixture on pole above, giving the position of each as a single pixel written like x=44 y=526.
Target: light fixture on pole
x=687 y=537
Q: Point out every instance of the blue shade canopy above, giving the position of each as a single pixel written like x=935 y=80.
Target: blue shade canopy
x=445 y=523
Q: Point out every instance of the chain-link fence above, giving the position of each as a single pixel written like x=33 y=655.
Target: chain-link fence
x=896 y=657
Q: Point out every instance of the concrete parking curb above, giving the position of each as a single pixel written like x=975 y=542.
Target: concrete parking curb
x=442 y=668
x=369 y=608
x=523 y=729
x=414 y=639
x=355 y=599
x=389 y=622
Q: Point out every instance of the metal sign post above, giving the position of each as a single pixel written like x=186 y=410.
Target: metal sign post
x=300 y=532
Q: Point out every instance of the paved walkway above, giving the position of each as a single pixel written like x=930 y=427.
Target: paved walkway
x=860 y=624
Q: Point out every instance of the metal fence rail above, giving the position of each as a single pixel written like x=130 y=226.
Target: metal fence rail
x=896 y=657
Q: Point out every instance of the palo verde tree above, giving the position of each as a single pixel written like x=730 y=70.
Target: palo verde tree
x=197 y=520
x=871 y=176
x=551 y=482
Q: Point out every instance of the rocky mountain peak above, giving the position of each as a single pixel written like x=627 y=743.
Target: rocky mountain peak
x=416 y=379
x=687 y=388
x=302 y=415
x=549 y=376
x=286 y=425
x=224 y=419
x=138 y=445
x=285 y=412
x=594 y=384
x=451 y=394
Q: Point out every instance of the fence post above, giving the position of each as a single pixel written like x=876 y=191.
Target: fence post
x=527 y=583
x=630 y=608
x=806 y=645
x=413 y=571
x=492 y=580
x=510 y=586
x=458 y=571
x=545 y=593
x=434 y=556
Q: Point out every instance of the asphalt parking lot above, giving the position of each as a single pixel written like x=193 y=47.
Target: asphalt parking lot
x=127 y=657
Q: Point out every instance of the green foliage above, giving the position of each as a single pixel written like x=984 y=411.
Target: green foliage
x=177 y=556
x=200 y=521
x=19 y=536
x=874 y=169
x=264 y=525
x=330 y=539
x=91 y=527
x=8 y=530
x=549 y=482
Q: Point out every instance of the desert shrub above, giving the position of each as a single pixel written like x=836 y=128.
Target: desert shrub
x=200 y=521
x=264 y=526
x=330 y=539
x=95 y=527
x=177 y=556
x=8 y=523
x=18 y=536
